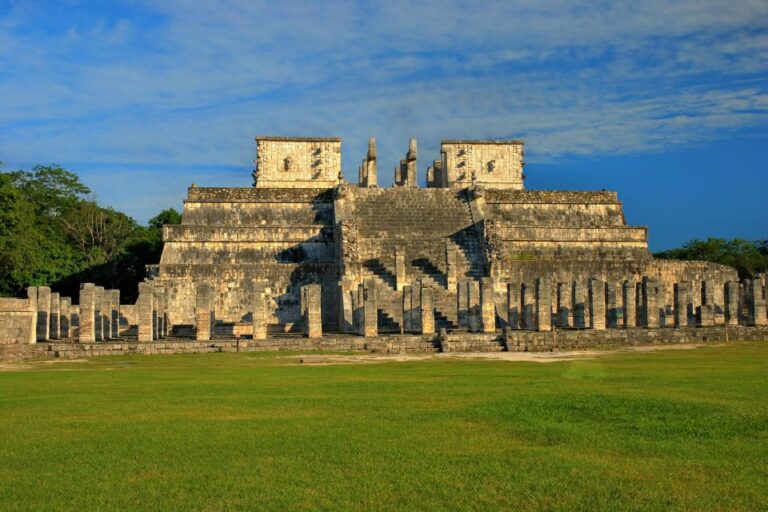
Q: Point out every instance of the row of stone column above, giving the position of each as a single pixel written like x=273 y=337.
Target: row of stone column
x=55 y=314
x=359 y=308
x=99 y=318
x=310 y=306
x=598 y=305
x=418 y=308
x=151 y=312
x=476 y=305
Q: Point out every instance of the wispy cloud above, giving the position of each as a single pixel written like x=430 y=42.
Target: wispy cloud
x=164 y=85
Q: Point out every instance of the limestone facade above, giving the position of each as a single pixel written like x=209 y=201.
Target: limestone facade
x=302 y=251
x=301 y=225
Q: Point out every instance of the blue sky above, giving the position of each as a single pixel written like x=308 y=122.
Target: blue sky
x=664 y=102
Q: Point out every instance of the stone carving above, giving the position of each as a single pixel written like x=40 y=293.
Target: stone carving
x=350 y=236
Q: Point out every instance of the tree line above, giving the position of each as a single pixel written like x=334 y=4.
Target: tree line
x=53 y=232
x=748 y=257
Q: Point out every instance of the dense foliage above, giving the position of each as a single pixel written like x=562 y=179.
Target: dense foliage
x=53 y=232
x=748 y=257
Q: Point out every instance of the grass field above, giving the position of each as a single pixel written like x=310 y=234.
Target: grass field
x=670 y=430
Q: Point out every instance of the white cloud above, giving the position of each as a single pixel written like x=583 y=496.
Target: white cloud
x=190 y=83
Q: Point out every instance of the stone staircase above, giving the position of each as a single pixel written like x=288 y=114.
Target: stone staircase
x=421 y=224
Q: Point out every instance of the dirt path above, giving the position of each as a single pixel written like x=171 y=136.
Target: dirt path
x=534 y=357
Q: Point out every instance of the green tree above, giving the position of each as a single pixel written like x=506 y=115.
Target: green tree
x=167 y=216
x=747 y=257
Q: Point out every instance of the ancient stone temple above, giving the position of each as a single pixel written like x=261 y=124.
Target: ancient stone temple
x=472 y=251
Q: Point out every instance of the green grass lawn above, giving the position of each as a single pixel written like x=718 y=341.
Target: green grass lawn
x=671 y=430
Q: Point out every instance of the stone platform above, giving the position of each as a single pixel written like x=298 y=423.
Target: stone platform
x=513 y=341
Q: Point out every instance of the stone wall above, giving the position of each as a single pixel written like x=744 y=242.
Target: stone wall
x=18 y=321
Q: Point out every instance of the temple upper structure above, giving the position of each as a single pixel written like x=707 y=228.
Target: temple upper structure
x=297 y=162
x=492 y=163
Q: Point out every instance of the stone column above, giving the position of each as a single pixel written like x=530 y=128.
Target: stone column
x=755 y=303
x=731 y=303
x=597 y=304
x=427 y=311
x=513 y=305
x=451 y=269
x=628 y=303
x=682 y=292
x=114 y=311
x=563 y=305
x=158 y=311
x=258 y=309
x=650 y=303
x=55 y=316
x=462 y=294
x=407 y=309
x=98 y=320
x=528 y=306
x=709 y=298
x=313 y=320
x=544 y=304
x=487 y=305
x=473 y=314
x=346 y=307
x=43 y=313
x=87 y=315
x=74 y=321
x=400 y=277
x=204 y=311
x=705 y=315
x=579 y=302
x=106 y=314
x=368 y=168
x=145 y=313
x=613 y=312
x=370 y=310
x=65 y=318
